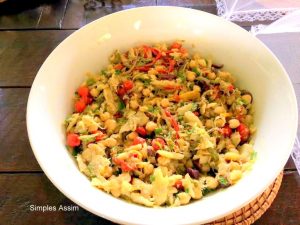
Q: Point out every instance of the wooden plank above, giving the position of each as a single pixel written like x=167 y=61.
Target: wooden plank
x=23 y=52
x=186 y=2
x=76 y=16
x=204 y=5
x=52 y=15
x=15 y=150
x=285 y=209
x=19 y=191
x=30 y=14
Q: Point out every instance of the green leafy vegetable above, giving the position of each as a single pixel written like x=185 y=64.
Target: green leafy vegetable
x=195 y=70
x=158 y=130
x=76 y=150
x=206 y=191
x=253 y=155
x=187 y=190
x=152 y=178
x=181 y=75
x=90 y=81
x=118 y=72
x=121 y=105
x=223 y=181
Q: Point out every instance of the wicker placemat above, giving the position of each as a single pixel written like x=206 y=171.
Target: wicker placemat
x=255 y=209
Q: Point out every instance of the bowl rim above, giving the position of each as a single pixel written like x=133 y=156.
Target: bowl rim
x=120 y=220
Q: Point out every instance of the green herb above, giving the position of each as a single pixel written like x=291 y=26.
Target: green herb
x=90 y=81
x=153 y=109
x=181 y=75
x=194 y=106
x=146 y=82
x=76 y=150
x=253 y=155
x=223 y=181
x=117 y=172
x=121 y=105
x=187 y=190
x=121 y=120
x=158 y=130
x=180 y=118
x=152 y=178
x=195 y=70
x=240 y=101
x=206 y=191
x=103 y=72
x=88 y=138
x=118 y=72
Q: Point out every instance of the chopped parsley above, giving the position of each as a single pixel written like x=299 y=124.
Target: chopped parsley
x=195 y=70
x=158 y=130
x=76 y=150
x=253 y=155
x=223 y=181
x=206 y=191
x=240 y=101
x=181 y=75
x=121 y=105
x=152 y=178
x=118 y=72
x=186 y=190
x=90 y=81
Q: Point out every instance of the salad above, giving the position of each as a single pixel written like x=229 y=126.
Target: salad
x=161 y=127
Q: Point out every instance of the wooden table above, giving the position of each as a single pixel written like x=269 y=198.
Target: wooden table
x=29 y=31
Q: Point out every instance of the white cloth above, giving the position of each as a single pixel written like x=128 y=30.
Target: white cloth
x=255 y=10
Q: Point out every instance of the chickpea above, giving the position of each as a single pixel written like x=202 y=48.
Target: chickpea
x=202 y=62
x=132 y=135
x=143 y=108
x=219 y=122
x=219 y=110
x=94 y=92
x=235 y=175
x=232 y=156
x=104 y=116
x=163 y=161
x=134 y=104
x=230 y=99
x=247 y=99
x=151 y=126
x=193 y=64
x=152 y=72
x=148 y=169
x=205 y=168
x=94 y=106
x=110 y=125
x=109 y=142
x=190 y=75
x=184 y=198
x=204 y=159
x=209 y=124
x=146 y=92
x=211 y=76
x=211 y=182
x=234 y=123
x=196 y=88
x=165 y=102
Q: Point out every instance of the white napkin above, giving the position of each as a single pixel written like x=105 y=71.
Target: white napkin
x=255 y=10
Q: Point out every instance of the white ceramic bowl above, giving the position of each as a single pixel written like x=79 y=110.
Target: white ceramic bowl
x=87 y=49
